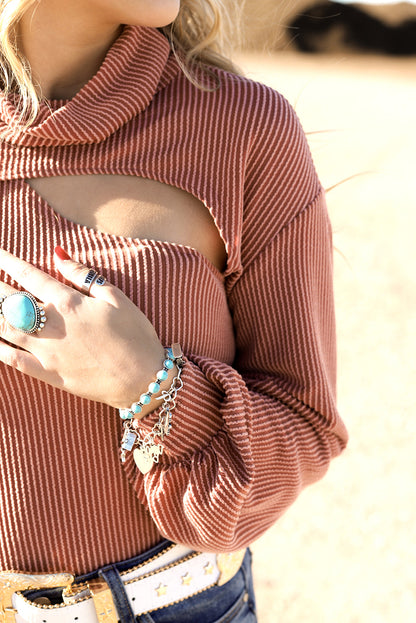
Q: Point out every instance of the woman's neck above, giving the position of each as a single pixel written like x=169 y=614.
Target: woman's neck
x=64 y=47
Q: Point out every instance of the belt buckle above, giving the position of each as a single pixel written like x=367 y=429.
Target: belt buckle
x=105 y=608
x=228 y=565
x=14 y=581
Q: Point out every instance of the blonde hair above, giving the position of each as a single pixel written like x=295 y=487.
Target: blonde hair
x=15 y=72
x=203 y=35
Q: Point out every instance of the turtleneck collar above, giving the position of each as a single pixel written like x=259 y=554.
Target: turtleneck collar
x=124 y=86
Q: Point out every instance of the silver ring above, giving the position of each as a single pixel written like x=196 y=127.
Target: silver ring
x=22 y=312
x=91 y=278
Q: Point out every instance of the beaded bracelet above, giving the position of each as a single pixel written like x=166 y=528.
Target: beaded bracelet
x=154 y=388
x=147 y=450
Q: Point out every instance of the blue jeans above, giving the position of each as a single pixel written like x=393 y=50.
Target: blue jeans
x=231 y=603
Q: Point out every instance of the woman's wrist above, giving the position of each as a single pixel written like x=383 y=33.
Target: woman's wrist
x=148 y=395
x=148 y=446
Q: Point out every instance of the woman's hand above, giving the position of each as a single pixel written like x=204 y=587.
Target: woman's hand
x=100 y=347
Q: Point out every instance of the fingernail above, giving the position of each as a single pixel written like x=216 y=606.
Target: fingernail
x=62 y=254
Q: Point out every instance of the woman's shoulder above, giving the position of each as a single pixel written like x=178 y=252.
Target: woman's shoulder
x=270 y=123
x=233 y=97
x=280 y=175
x=268 y=115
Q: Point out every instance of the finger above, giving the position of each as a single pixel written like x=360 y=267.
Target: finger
x=40 y=284
x=14 y=336
x=21 y=360
x=5 y=289
x=79 y=275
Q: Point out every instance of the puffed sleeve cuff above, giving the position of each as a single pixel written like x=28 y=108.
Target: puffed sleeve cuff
x=208 y=386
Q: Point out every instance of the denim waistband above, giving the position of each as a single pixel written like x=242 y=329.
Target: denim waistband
x=236 y=594
x=113 y=569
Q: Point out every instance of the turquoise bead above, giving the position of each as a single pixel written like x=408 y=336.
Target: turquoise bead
x=126 y=414
x=154 y=388
x=136 y=408
x=168 y=363
x=162 y=375
x=145 y=399
x=20 y=312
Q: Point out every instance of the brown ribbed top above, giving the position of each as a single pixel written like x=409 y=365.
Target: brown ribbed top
x=256 y=420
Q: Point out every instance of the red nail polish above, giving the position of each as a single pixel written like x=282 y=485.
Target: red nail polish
x=62 y=254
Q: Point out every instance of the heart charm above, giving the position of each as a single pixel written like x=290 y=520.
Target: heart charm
x=143 y=460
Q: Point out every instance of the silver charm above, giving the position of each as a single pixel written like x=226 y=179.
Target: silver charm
x=155 y=451
x=128 y=440
x=146 y=456
x=165 y=424
x=143 y=460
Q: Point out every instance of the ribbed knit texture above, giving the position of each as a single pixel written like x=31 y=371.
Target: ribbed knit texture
x=256 y=420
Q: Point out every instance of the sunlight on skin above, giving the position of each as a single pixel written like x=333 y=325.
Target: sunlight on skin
x=65 y=42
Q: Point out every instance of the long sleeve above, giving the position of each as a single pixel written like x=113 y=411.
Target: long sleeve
x=246 y=439
x=256 y=418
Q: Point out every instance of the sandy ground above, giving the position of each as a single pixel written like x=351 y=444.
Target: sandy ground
x=346 y=551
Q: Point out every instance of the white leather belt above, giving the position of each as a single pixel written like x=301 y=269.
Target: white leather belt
x=174 y=575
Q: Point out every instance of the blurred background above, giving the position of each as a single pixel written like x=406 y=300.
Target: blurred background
x=346 y=551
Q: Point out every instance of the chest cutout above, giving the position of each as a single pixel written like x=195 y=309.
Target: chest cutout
x=134 y=207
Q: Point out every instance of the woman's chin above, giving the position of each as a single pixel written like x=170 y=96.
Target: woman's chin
x=160 y=13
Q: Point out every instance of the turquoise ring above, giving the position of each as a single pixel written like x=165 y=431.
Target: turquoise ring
x=22 y=312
